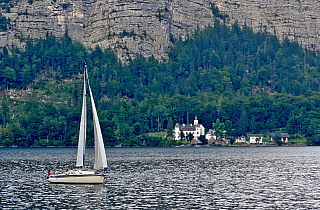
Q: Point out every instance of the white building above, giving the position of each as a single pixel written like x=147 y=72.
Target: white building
x=283 y=136
x=255 y=138
x=210 y=136
x=240 y=139
x=195 y=129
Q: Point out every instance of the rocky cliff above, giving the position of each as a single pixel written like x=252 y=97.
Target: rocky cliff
x=145 y=27
x=296 y=19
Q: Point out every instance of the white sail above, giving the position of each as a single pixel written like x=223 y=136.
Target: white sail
x=83 y=125
x=100 y=160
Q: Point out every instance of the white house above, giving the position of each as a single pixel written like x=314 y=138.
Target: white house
x=195 y=129
x=210 y=136
x=283 y=136
x=255 y=138
x=240 y=139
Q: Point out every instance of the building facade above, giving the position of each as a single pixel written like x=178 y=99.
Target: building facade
x=210 y=136
x=284 y=137
x=240 y=139
x=256 y=138
x=195 y=129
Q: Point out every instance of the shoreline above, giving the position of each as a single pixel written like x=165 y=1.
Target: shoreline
x=241 y=145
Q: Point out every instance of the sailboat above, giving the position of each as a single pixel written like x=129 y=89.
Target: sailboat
x=81 y=175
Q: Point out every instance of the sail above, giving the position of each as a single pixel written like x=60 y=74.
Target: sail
x=100 y=160
x=83 y=125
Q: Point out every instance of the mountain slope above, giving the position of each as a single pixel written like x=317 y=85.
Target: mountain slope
x=146 y=28
x=249 y=81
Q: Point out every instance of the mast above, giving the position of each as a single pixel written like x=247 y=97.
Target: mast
x=83 y=126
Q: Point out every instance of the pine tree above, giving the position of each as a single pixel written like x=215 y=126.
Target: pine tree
x=170 y=128
x=219 y=129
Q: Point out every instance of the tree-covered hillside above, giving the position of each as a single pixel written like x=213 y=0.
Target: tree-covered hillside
x=249 y=81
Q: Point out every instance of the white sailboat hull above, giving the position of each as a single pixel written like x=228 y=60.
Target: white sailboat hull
x=76 y=179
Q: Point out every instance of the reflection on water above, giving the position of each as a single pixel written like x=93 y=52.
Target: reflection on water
x=167 y=178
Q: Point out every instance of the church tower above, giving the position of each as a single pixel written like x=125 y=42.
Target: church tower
x=195 y=122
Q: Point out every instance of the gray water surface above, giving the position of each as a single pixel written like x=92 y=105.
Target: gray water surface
x=167 y=178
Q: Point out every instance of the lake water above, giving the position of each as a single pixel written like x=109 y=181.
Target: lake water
x=167 y=178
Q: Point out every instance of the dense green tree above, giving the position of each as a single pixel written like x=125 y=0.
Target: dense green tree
x=7 y=137
x=219 y=129
x=182 y=136
x=190 y=137
x=242 y=124
x=277 y=138
x=4 y=22
x=5 y=112
x=203 y=139
x=170 y=128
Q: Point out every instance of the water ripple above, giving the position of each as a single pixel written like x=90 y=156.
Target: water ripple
x=167 y=178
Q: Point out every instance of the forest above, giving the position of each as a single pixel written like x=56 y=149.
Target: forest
x=251 y=82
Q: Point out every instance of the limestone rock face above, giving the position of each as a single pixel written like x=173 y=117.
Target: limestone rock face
x=296 y=19
x=145 y=27
x=130 y=27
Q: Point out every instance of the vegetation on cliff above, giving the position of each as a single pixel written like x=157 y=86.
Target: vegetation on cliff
x=249 y=81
